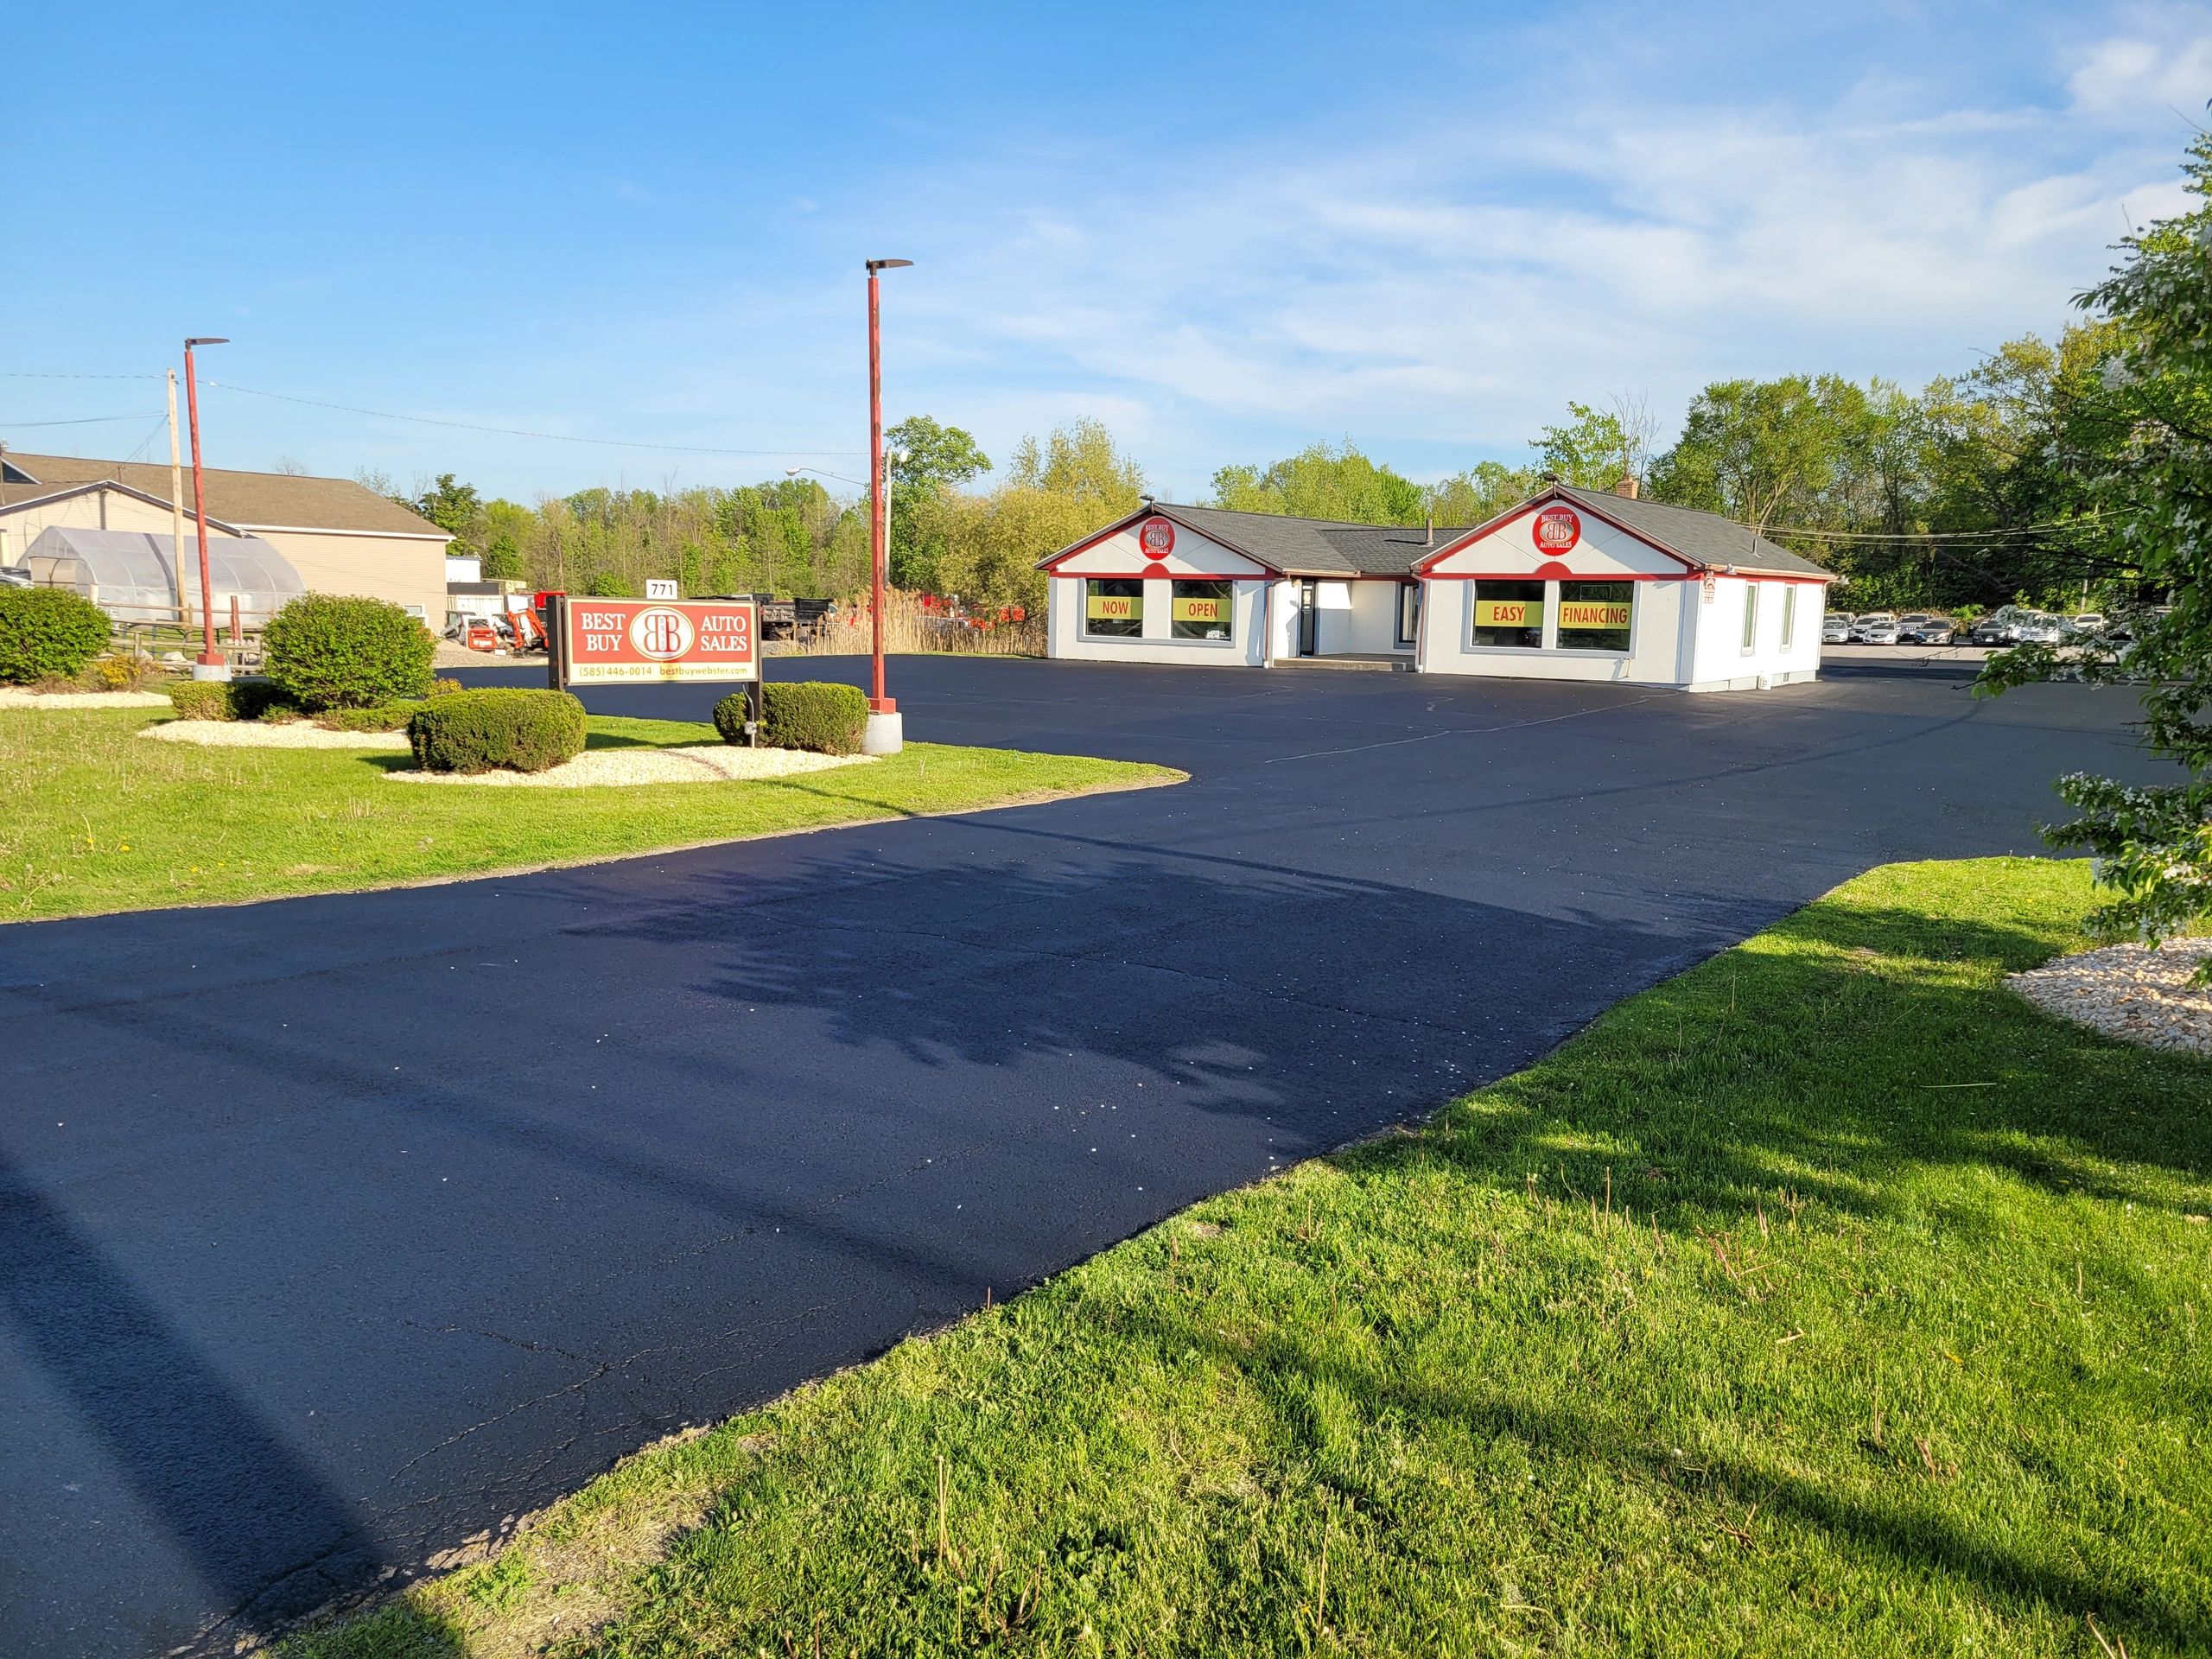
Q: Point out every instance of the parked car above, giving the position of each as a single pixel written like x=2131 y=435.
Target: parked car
x=1995 y=629
x=1835 y=628
x=2038 y=628
x=2125 y=625
x=1886 y=621
x=14 y=575
x=1927 y=631
x=2088 y=622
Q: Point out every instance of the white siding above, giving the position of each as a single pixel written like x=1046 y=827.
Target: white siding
x=1244 y=648
x=1656 y=651
x=1722 y=662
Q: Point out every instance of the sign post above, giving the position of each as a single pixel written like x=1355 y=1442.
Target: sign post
x=656 y=642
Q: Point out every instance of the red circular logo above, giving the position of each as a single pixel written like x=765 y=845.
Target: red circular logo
x=1157 y=538
x=660 y=633
x=1557 y=529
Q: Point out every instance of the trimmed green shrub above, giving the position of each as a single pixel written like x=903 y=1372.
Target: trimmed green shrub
x=384 y=717
x=333 y=651
x=730 y=715
x=48 y=634
x=200 y=700
x=444 y=686
x=817 y=714
x=260 y=699
x=501 y=726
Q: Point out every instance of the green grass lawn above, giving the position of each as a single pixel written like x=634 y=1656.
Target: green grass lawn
x=92 y=819
x=1825 y=1300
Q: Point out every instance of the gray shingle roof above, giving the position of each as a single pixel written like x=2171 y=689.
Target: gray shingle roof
x=276 y=500
x=1312 y=547
x=1701 y=538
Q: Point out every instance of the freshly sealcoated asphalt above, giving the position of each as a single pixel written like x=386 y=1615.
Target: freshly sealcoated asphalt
x=336 y=1230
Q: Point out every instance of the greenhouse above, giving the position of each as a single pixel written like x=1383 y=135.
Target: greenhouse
x=129 y=574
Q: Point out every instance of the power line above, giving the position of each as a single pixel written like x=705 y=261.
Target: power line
x=87 y=419
x=516 y=432
x=425 y=419
x=1932 y=536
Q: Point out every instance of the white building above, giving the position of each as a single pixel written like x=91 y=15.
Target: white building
x=1572 y=584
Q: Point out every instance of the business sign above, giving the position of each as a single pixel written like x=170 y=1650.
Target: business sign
x=1115 y=607
x=1593 y=613
x=1508 y=613
x=1557 y=529
x=660 y=588
x=1198 y=610
x=1157 y=538
x=624 y=641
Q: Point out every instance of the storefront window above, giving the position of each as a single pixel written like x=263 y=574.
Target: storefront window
x=1509 y=613
x=1409 y=612
x=1201 y=610
x=1595 y=615
x=1113 y=609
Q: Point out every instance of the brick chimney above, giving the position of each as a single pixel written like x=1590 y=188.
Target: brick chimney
x=1627 y=487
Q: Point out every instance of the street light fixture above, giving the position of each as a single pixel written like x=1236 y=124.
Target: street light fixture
x=212 y=665
x=878 y=526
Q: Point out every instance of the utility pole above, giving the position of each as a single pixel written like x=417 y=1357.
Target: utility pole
x=212 y=665
x=176 y=514
x=884 y=736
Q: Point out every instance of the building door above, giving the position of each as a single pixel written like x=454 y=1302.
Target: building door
x=1309 y=618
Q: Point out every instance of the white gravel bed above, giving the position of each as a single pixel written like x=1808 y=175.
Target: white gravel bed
x=2131 y=992
x=691 y=763
x=263 y=734
x=16 y=696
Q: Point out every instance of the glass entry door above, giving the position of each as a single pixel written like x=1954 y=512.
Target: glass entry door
x=1309 y=618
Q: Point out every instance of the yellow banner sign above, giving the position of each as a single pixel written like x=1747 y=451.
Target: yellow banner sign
x=1508 y=613
x=1115 y=607
x=1199 y=610
x=1594 y=613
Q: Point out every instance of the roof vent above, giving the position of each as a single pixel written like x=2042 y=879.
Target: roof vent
x=1429 y=540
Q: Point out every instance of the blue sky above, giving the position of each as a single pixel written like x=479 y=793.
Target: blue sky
x=1226 y=231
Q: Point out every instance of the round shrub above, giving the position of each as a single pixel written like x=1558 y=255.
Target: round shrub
x=261 y=699
x=817 y=714
x=48 y=634
x=334 y=650
x=501 y=726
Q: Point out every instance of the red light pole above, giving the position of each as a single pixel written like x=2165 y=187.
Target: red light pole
x=879 y=507
x=212 y=665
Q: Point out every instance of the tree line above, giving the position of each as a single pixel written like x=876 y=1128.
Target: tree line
x=1964 y=495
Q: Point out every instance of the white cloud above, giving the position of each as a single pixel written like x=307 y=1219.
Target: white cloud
x=2129 y=75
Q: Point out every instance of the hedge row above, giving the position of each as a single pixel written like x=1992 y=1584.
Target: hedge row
x=231 y=700
x=817 y=714
x=503 y=727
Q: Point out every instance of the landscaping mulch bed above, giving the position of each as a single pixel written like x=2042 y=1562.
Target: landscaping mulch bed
x=702 y=763
x=2134 y=992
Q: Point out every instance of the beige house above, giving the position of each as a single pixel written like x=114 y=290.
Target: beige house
x=340 y=537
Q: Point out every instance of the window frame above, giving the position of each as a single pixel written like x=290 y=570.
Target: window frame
x=1228 y=593
x=1558 y=606
x=1751 y=617
x=1542 y=629
x=1133 y=627
x=1789 y=613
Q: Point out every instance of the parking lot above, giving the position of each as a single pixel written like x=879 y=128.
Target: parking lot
x=348 y=1228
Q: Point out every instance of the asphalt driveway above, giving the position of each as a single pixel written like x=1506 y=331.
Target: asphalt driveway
x=338 y=1230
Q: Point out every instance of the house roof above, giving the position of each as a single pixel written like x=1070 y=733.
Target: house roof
x=1703 y=539
x=1310 y=547
x=255 y=500
x=1323 y=547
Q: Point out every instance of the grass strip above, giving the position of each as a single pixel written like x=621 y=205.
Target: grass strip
x=1736 y=1325
x=94 y=819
